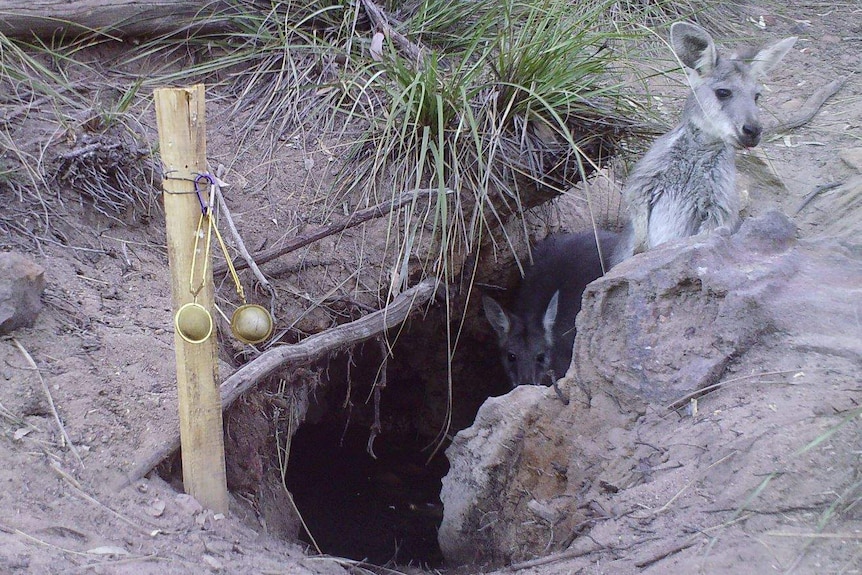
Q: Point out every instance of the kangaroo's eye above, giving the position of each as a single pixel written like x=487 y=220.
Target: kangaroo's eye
x=723 y=93
x=511 y=358
x=757 y=97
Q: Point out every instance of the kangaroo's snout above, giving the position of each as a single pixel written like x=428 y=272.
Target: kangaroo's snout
x=751 y=135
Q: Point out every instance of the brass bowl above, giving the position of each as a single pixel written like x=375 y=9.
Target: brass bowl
x=251 y=323
x=194 y=323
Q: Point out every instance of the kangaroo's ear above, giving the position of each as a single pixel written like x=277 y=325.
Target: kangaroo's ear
x=694 y=47
x=768 y=58
x=497 y=317
x=550 y=317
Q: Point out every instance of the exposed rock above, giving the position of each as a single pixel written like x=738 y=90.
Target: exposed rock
x=187 y=504
x=21 y=284
x=852 y=157
x=519 y=474
x=532 y=476
x=681 y=312
x=483 y=461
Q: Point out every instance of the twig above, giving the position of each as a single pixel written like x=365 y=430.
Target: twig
x=809 y=109
x=38 y=541
x=682 y=401
x=570 y=554
x=307 y=350
x=849 y=536
x=125 y=561
x=380 y=20
x=77 y=487
x=685 y=487
x=47 y=391
x=240 y=244
x=380 y=384
x=321 y=232
x=811 y=196
x=655 y=558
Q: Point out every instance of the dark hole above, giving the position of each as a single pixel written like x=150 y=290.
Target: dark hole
x=385 y=510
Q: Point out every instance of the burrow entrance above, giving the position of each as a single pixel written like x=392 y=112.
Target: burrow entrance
x=384 y=510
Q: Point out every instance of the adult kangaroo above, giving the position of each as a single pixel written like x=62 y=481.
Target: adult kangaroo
x=537 y=336
x=686 y=182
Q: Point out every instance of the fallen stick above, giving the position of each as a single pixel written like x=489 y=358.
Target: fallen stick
x=664 y=554
x=562 y=556
x=50 y=399
x=307 y=350
x=381 y=21
x=809 y=109
x=316 y=234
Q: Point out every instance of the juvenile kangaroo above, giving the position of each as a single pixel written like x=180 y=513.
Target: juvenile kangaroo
x=685 y=184
x=536 y=337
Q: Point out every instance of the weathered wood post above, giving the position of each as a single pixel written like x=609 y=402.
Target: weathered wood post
x=182 y=141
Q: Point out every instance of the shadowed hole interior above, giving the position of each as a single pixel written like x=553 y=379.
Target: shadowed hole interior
x=384 y=510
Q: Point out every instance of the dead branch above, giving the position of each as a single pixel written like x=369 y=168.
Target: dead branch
x=320 y=344
x=665 y=553
x=810 y=108
x=306 y=351
x=43 y=18
x=321 y=232
x=380 y=20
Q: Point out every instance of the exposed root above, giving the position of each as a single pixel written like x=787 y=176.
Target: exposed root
x=109 y=170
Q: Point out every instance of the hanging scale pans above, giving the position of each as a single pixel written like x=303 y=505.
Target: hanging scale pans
x=250 y=323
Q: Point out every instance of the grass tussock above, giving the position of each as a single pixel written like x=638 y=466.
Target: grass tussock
x=498 y=106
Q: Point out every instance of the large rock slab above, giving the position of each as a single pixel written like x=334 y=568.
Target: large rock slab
x=667 y=323
x=761 y=327
x=513 y=473
x=21 y=284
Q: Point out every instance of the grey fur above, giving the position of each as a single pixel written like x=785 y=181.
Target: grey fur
x=537 y=336
x=686 y=182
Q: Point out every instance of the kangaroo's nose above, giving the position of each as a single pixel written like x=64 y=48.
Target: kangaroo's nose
x=751 y=135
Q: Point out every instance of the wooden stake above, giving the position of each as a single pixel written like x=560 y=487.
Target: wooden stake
x=182 y=141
